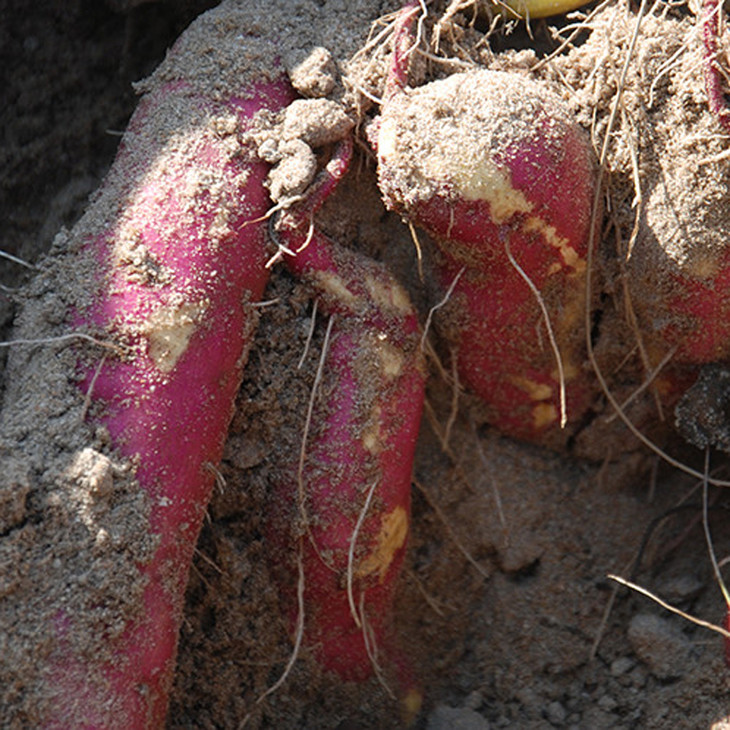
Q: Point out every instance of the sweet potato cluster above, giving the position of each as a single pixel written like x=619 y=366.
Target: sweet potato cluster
x=491 y=165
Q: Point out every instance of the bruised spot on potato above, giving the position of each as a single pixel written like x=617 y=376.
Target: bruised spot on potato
x=486 y=181
x=169 y=329
x=534 y=390
x=390 y=539
x=335 y=287
x=388 y=296
x=544 y=414
x=535 y=224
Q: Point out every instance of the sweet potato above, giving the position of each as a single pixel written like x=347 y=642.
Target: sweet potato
x=344 y=510
x=175 y=259
x=494 y=168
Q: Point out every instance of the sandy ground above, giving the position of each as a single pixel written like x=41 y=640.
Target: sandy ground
x=505 y=607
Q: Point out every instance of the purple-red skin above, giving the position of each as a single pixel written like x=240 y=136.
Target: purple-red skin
x=364 y=435
x=496 y=327
x=168 y=410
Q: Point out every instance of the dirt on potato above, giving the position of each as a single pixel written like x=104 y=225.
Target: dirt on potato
x=505 y=607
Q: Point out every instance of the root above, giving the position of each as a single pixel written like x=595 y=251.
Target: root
x=433 y=422
x=299 y=635
x=381 y=39
x=708 y=536
x=302 y=497
x=264 y=304
x=281 y=205
x=66 y=338
x=495 y=489
x=669 y=607
x=601 y=631
x=628 y=302
x=310 y=334
x=455 y=63
x=351 y=552
x=430 y=600
x=584 y=25
x=16 y=260
x=419 y=253
x=446 y=298
x=202 y=577
x=90 y=389
x=649 y=380
x=220 y=480
x=634 y=565
x=393 y=34
x=210 y=562
x=372 y=649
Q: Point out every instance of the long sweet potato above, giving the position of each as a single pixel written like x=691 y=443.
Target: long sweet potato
x=175 y=258
x=344 y=510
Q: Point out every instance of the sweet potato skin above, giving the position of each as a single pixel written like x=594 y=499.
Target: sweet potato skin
x=365 y=436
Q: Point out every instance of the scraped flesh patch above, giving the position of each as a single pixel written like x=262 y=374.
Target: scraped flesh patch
x=169 y=330
x=391 y=538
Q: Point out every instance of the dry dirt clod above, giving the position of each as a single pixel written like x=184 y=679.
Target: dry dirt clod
x=316 y=121
x=315 y=76
x=16 y=486
x=294 y=170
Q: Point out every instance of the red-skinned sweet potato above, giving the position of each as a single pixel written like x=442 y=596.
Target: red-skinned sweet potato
x=494 y=168
x=345 y=509
x=175 y=260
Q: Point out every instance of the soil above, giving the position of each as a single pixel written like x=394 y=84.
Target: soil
x=505 y=609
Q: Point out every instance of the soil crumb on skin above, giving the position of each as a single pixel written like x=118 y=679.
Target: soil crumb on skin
x=504 y=603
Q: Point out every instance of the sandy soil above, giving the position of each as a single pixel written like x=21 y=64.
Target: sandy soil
x=505 y=607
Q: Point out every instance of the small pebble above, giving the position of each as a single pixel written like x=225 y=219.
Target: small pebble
x=660 y=645
x=474 y=701
x=607 y=703
x=681 y=588
x=556 y=714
